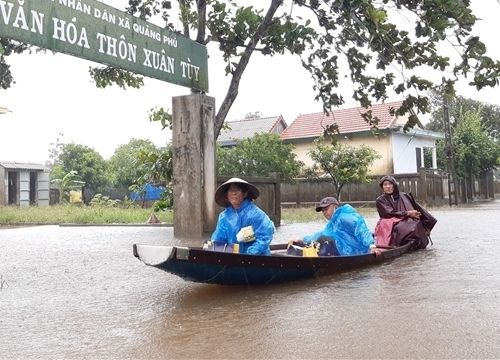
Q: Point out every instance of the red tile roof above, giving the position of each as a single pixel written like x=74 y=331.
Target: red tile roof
x=348 y=121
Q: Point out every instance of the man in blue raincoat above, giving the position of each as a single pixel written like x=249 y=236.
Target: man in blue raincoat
x=346 y=227
x=242 y=222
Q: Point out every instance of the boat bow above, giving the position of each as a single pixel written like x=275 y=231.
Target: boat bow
x=156 y=255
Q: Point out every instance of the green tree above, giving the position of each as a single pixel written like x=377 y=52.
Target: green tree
x=123 y=166
x=54 y=152
x=489 y=114
x=261 y=155
x=380 y=56
x=475 y=152
x=157 y=170
x=342 y=163
x=57 y=172
x=68 y=182
x=87 y=163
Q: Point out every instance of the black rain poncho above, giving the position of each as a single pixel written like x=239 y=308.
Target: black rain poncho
x=396 y=205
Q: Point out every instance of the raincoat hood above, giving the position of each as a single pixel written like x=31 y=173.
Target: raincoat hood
x=393 y=181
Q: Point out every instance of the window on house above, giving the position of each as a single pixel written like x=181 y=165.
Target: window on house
x=428 y=158
x=418 y=154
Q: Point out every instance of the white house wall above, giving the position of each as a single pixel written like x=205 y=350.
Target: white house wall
x=404 y=152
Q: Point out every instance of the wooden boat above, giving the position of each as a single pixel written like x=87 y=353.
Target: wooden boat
x=217 y=267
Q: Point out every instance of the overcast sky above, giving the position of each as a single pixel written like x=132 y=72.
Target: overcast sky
x=54 y=94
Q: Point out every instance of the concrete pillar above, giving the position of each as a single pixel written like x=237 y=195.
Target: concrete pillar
x=422 y=158
x=194 y=177
x=434 y=158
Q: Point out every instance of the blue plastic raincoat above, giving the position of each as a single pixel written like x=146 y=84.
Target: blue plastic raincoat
x=349 y=230
x=232 y=220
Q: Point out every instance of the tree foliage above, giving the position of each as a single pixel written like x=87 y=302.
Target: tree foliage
x=262 y=155
x=157 y=166
x=341 y=163
x=8 y=47
x=475 y=152
x=68 y=182
x=124 y=167
x=380 y=55
x=156 y=169
x=54 y=152
x=87 y=163
x=489 y=114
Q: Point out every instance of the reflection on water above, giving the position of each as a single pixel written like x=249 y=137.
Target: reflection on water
x=79 y=293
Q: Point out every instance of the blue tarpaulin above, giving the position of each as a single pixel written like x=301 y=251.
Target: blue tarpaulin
x=151 y=193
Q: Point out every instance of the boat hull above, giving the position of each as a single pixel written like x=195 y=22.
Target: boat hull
x=199 y=265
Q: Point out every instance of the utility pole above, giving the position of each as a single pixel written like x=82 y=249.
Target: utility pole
x=450 y=157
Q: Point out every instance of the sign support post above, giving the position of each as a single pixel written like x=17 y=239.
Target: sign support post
x=194 y=175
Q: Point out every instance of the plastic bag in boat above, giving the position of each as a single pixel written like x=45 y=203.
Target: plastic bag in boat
x=220 y=246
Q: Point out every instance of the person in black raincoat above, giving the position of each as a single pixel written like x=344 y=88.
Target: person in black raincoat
x=408 y=220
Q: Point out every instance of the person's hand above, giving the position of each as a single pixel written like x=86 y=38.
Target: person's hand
x=414 y=214
x=207 y=244
x=375 y=250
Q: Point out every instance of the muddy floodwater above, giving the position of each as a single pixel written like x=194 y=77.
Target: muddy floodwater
x=78 y=293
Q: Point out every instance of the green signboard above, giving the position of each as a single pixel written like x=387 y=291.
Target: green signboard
x=91 y=30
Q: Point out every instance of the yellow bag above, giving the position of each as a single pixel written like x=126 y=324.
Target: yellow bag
x=307 y=251
x=310 y=251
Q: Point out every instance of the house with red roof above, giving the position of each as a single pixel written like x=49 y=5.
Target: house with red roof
x=400 y=152
x=237 y=131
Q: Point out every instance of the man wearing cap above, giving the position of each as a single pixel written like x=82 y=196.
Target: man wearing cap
x=242 y=221
x=345 y=226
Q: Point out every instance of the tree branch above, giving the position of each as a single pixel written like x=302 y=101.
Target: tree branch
x=184 y=10
x=202 y=20
x=240 y=68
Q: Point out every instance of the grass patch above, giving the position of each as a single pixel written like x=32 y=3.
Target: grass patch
x=75 y=214
x=299 y=215
x=72 y=214
x=308 y=214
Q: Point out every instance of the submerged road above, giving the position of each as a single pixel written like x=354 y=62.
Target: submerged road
x=78 y=293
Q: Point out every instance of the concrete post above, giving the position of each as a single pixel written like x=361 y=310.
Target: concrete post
x=434 y=158
x=422 y=159
x=194 y=175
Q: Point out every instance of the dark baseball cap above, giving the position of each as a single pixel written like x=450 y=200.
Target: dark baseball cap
x=325 y=202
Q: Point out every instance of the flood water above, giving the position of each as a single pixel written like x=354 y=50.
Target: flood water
x=78 y=293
